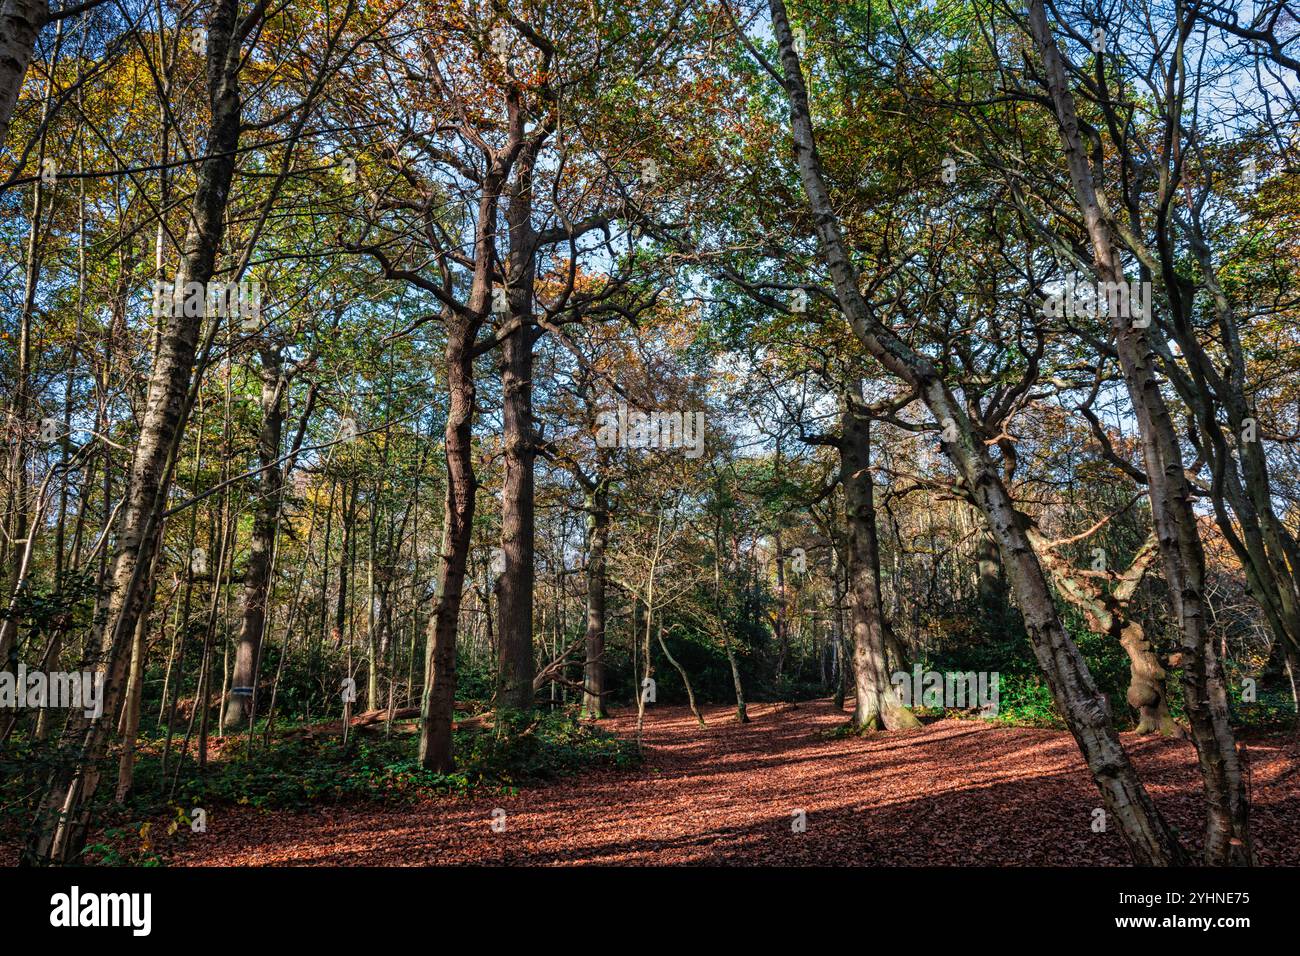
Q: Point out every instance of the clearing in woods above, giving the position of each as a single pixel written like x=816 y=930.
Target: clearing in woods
x=955 y=792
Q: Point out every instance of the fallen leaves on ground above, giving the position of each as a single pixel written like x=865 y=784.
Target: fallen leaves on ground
x=953 y=793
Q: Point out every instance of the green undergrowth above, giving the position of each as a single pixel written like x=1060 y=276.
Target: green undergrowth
x=299 y=771
x=1024 y=700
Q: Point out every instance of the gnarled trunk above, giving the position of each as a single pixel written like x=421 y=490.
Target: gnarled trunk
x=1107 y=613
x=1147 y=692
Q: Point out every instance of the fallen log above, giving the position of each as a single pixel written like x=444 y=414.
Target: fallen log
x=373 y=718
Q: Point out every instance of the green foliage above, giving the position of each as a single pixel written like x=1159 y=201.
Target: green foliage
x=1026 y=700
x=1273 y=710
x=474 y=681
x=65 y=603
x=532 y=748
x=127 y=845
x=302 y=771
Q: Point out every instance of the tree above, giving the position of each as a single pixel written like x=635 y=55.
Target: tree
x=1148 y=836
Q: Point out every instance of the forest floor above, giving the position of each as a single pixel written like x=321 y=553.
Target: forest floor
x=955 y=792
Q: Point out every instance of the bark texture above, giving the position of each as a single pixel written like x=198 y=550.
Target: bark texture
x=593 y=681
x=878 y=708
x=257 y=577
x=20 y=23
x=515 y=665
x=1107 y=612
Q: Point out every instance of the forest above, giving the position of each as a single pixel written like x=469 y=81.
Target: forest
x=770 y=432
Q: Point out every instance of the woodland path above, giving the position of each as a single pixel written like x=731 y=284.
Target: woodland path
x=955 y=792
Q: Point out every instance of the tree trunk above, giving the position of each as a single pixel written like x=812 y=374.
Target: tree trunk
x=20 y=22
x=257 y=579
x=64 y=813
x=439 y=701
x=842 y=652
x=1107 y=613
x=877 y=706
x=131 y=712
x=515 y=664
x=1262 y=542
x=991 y=597
x=742 y=709
x=781 y=625
x=681 y=672
x=1147 y=693
x=593 y=684
x=346 y=548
